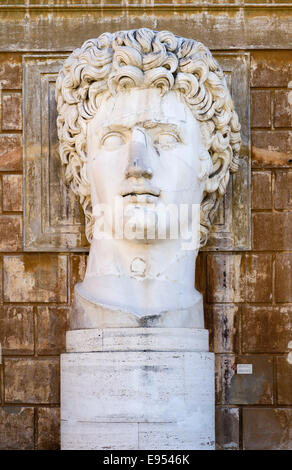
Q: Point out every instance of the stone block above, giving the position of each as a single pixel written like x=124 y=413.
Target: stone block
x=84 y=340
x=267 y=428
x=261 y=187
x=244 y=389
x=221 y=24
x=17 y=329
x=16 y=428
x=154 y=339
x=125 y=389
x=283 y=108
x=10 y=152
x=259 y=277
x=52 y=323
x=272 y=231
x=260 y=111
x=283 y=190
x=227 y=428
x=284 y=380
x=12 y=192
x=271 y=148
x=168 y=436
x=10 y=71
x=223 y=322
x=283 y=277
x=137 y=339
x=225 y=278
x=48 y=429
x=266 y=329
x=99 y=436
x=32 y=380
x=11 y=112
x=271 y=68
x=120 y=385
x=35 y=278
x=129 y=384
x=10 y=233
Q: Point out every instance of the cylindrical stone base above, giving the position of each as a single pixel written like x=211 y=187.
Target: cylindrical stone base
x=137 y=388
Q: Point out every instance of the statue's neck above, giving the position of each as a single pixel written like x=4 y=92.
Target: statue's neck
x=142 y=277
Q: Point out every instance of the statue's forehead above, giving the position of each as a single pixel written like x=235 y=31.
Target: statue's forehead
x=140 y=105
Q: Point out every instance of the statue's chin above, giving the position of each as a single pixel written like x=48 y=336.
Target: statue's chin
x=142 y=224
x=144 y=233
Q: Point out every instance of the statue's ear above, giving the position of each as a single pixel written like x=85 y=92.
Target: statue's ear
x=220 y=175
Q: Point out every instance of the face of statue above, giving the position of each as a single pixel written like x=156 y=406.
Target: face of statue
x=144 y=151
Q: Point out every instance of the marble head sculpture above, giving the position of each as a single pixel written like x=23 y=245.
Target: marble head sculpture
x=145 y=119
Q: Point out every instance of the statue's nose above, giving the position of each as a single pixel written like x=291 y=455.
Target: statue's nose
x=138 y=164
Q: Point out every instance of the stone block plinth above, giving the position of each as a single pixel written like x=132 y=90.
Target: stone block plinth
x=137 y=388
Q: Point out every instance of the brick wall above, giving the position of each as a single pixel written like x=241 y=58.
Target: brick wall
x=35 y=296
x=248 y=296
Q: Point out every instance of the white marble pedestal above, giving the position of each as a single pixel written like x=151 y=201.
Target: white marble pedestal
x=137 y=388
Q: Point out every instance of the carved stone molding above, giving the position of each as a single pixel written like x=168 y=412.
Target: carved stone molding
x=63 y=26
x=232 y=227
x=53 y=217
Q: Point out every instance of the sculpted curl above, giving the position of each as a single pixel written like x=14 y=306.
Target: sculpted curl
x=146 y=58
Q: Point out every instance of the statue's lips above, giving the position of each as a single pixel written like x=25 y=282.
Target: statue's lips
x=141 y=192
x=134 y=193
x=141 y=196
x=144 y=198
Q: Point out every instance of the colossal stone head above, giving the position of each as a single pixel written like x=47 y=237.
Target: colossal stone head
x=146 y=116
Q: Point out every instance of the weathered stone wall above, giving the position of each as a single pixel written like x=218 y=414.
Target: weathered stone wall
x=248 y=295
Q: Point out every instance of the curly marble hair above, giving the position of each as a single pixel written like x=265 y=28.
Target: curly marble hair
x=146 y=58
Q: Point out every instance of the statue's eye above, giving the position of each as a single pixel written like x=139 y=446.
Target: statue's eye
x=112 y=140
x=167 y=139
